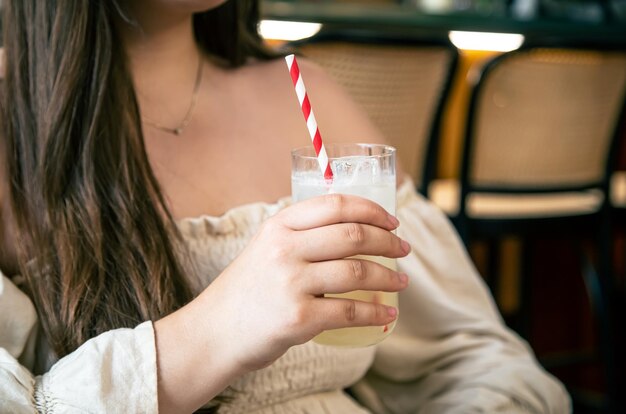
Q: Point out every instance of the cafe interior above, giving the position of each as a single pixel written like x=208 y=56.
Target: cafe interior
x=510 y=116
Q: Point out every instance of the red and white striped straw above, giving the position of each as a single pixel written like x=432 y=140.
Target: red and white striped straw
x=309 y=117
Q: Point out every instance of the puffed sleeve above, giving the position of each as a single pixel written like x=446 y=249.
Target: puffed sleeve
x=450 y=351
x=112 y=373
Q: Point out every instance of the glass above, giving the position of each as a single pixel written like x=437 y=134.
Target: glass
x=365 y=170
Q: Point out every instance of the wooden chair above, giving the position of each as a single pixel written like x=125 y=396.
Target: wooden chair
x=539 y=143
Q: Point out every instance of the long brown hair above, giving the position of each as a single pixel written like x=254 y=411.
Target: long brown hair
x=96 y=243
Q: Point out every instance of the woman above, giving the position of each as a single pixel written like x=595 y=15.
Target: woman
x=147 y=266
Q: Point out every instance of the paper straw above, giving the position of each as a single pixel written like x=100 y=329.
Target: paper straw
x=309 y=117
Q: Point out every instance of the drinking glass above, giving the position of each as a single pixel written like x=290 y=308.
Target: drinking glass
x=365 y=170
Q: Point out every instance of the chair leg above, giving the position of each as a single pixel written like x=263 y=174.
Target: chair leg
x=599 y=292
x=619 y=300
x=461 y=224
x=523 y=321
x=614 y=311
x=526 y=286
x=493 y=268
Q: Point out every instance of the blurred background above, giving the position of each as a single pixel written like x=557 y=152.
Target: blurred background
x=510 y=116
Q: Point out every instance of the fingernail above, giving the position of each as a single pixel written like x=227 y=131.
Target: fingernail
x=406 y=247
x=394 y=221
x=391 y=311
x=403 y=277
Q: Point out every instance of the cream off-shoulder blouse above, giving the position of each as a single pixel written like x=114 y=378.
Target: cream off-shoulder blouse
x=449 y=353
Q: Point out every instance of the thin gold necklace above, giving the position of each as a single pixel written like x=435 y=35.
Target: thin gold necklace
x=192 y=105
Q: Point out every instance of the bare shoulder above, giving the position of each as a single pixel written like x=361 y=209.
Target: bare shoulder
x=274 y=75
x=339 y=118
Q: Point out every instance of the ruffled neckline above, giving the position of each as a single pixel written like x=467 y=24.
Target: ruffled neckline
x=232 y=219
x=239 y=218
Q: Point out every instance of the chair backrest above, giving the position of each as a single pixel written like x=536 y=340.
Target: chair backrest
x=544 y=119
x=399 y=84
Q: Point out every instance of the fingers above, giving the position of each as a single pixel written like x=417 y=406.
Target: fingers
x=340 y=276
x=334 y=313
x=333 y=209
x=348 y=239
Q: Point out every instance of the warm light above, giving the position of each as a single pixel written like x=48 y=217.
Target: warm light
x=493 y=42
x=281 y=30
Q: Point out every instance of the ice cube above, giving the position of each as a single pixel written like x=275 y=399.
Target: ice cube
x=356 y=170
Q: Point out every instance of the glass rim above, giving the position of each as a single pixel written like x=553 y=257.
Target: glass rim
x=308 y=152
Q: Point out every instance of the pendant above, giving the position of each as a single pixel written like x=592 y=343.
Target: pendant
x=178 y=131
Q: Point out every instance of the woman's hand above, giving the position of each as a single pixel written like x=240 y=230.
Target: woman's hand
x=272 y=296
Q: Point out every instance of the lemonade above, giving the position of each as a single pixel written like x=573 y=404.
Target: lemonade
x=367 y=335
x=363 y=170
